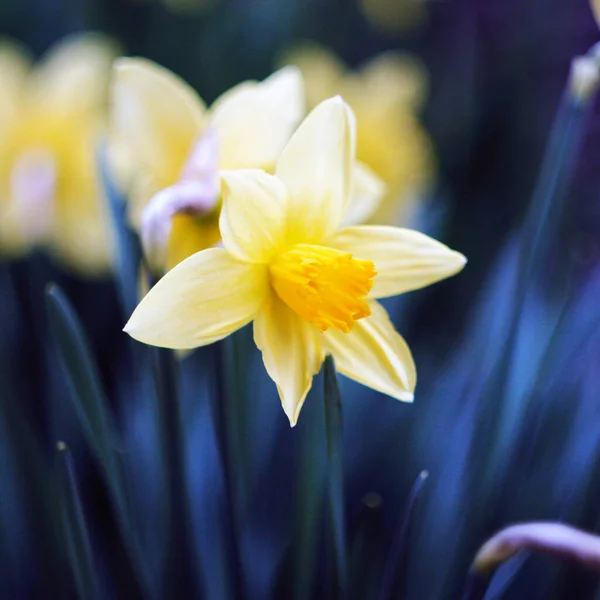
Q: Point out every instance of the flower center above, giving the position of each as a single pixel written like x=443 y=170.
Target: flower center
x=326 y=287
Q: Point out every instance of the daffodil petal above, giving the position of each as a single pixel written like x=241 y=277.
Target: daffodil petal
x=72 y=78
x=395 y=78
x=368 y=190
x=290 y=352
x=82 y=236
x=190 y=234
x=156 y=119
x=192 y=198
x=82 y=240
x=202 y=165
x=15 y=66
x=316 y=167
x=205 y=298
x=252 y=218
x=374 y=354
x=321 y=70
x=255 y=120
x=404 y=259
x=196 y=194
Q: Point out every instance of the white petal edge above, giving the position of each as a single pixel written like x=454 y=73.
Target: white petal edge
x=203 y=299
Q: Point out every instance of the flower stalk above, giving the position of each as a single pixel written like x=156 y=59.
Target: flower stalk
x=225 y=420
x=309 y=504
x=179 y=578
x=335 y=480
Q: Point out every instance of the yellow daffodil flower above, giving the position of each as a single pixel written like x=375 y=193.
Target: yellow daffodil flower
x=173 y=149
x=385 y=94
x=309 y=287
x=50 y=118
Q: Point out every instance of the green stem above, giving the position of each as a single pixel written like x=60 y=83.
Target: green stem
x=179 y=572
x=335 y=485
x=225 y=419
x=309 y=501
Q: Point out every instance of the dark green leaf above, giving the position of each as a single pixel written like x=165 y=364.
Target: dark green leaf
x=75 y=529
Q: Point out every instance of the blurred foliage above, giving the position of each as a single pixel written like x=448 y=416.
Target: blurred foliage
x=219 y=498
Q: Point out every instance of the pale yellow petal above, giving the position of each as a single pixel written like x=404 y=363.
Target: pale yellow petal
x=395 y=145
x=155 y=120
x=368 y=190
x=14 y=71
x=404 y=259
x=203 y=299
x=72 y=78
x=374 y=354
x=322 y=71
x=15 y=66
x=81 y=233
x=316 y=167
x=190 y=234
x=12 y=241
x=82 y=240
x=254 y=121
x=394 y=78
x=252 y=219
x=290 y=351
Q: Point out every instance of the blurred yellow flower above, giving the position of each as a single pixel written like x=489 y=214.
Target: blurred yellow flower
x=172 y=149
x=50 y=117
x=394 y=16
x=309 y=286
x=385 y=94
